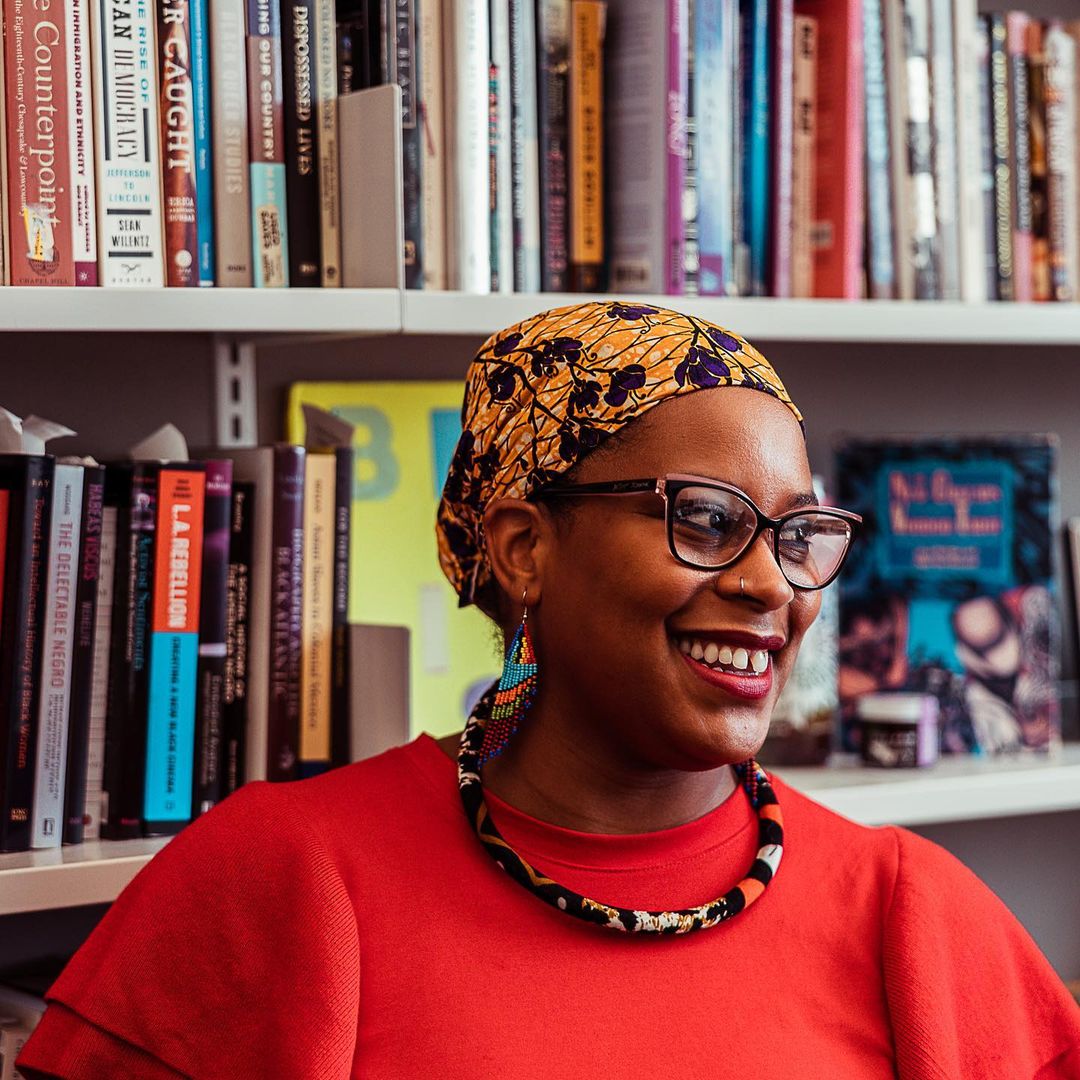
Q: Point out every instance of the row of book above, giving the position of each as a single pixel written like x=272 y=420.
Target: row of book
x=169 y=630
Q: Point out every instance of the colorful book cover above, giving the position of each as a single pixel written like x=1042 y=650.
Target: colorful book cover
x=204 y=161
x=950 y=588
x=756 y=162
x=404 y=438
x=174 y=648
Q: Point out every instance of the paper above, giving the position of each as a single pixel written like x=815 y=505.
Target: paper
x=29 y=436
x=165 y=444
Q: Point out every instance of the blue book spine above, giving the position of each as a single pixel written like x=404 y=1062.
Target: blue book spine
x=756 y=164
x=715 y=145
x=204 y=173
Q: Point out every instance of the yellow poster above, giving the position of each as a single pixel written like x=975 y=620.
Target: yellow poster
x=404 y=438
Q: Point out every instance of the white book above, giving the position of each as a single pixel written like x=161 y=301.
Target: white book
x=433 y=145
x=525 y=146
x=1061 y=120
x=58 y=640
x=969 y=151
x=467 y=177
x=503 y=253
x=81 y=141
x=94 y=809
x=130 y=239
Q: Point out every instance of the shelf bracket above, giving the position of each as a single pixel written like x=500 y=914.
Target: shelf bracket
x=235 y=414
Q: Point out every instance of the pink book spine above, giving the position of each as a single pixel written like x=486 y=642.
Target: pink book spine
x=1016 y=28
x=854 y=162
x=677 y=93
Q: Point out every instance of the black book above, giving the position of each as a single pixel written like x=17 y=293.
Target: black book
x=82 y=659
x=132 y=489
x=25 y=510
x=340 y=748
x=301 y=156
x=237 y=632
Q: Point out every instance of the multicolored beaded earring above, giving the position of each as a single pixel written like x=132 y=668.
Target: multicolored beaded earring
x=517 y=688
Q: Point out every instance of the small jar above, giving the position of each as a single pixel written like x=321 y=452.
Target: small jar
x=899 y=730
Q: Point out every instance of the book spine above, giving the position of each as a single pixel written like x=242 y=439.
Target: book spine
x=82 y=662
x=5 y=514
x=677 y=45
x=467 y=149
x=317 y=614
x=125 y=732
x=326 y=123
x=713 y=31
x=352 y=72
x=780 y=121
x=210 y=677
x=586 y=132
x=301 y=172
x=286 y=613
x=126 y=137
x=524 y=147
x=502 y=252
x=237 y=632
x=1040 y=177
x=5 y=255
x=174 y=649
x=966 y=49
x=54 y=704
x=756 y=164
x=99 y=694
x=1002 y=145
x=1016 y=24
x=881 y=256
x=923 y=245
x=269 y=217
x=345 y=460
x=231 y=160
x=405 y=65
x=433 y=144
x=553 y=47
x=81 y=149
x=803 y=156
x=28 y=482
x=204 y=150
x=38 y=145
x=177 y=144
x=986 y=160
x=1061 y=122
x=943 y=111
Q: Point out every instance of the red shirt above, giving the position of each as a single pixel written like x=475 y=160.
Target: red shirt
x=352 y=926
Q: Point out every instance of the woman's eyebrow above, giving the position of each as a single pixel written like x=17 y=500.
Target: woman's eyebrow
x=806 y=498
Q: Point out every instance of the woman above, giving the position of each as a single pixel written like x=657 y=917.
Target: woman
x=612 y=903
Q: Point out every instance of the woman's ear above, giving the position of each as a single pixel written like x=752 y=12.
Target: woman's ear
x=519 y=538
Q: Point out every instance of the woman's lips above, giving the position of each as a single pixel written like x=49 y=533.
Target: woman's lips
x=746 y=687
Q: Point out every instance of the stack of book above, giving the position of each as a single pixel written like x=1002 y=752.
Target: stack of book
x=168 y=631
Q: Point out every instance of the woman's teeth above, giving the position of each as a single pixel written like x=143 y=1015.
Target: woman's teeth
x=738 y=661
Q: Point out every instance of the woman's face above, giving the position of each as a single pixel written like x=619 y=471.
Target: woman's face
x=617 y=610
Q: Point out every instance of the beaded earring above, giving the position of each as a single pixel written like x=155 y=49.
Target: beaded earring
x=517 y=688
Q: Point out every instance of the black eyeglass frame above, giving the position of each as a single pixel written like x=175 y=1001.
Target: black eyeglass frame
x=668 y=487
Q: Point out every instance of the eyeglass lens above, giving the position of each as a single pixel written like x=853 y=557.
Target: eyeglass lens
x=711 y=528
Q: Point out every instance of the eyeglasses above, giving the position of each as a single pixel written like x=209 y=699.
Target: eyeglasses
x=710 y=525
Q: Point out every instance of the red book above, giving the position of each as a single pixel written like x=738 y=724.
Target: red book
x=38 y=149
x=838 y=232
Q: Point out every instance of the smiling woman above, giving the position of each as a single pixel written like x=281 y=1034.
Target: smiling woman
x=627 y=894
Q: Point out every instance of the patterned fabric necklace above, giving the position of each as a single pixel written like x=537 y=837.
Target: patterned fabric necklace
x=763 y=869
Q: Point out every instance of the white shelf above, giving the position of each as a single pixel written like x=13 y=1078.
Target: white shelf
x=359 y=312
x=953 y=790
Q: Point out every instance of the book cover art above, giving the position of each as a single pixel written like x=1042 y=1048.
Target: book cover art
x=950 y=588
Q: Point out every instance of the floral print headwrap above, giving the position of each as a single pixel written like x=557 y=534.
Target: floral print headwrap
x=540 y=395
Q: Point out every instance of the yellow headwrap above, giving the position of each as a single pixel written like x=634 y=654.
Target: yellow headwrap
x=540 y=395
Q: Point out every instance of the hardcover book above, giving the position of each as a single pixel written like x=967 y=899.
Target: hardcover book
x=950 y=587
x=81 y=144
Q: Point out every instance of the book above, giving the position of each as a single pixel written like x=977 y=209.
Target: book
x=124 y=86
x=781 y=16
x=320 y=483
x=269 y=216
x=586 y=144
x=204 y=146
x=39 y=225
x=690 y=201
x=179 y=205
x=757 y=166
x=880 y=248
x=238 y=600
x=501 y=156
x=5 y=258
x=326 y=126
x=26 y=502
x=174 y=648
x=345 y=464
x=209 y=750
x=57 y=653
x=1062 y=191
x=379 y=687
x=1039 y=165
x=951 y=589
x=943 y=121
x=80 y=111
x=1016 y=27
x=969 y=47
x=84 y=643
x=405 y=64
x=524 y=146
x=804 y=159
x=553 y=54
x=230 y=142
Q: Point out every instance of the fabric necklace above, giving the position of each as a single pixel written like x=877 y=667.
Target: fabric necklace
x=770 y=848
